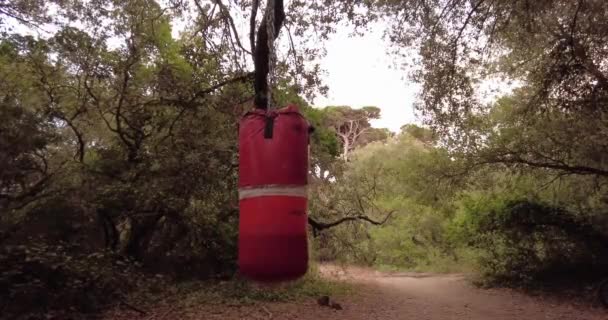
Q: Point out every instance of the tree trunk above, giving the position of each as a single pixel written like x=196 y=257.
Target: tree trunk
x=141 y=233
x=261 y=54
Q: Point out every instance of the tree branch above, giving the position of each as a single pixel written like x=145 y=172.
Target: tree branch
x=254 y=12
x=294 y=54
x=262 y=54
x=574 y=169
x=464 y=25
x=318 y=226
x=446 y=9
x=229 y=21
x=201 y=93
x=18 y=18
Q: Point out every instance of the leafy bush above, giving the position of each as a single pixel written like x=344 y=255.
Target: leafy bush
x=42 y=279
x=527 y=242
x=39 y=280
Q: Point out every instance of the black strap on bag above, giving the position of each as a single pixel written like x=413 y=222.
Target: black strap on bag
x=269 y=127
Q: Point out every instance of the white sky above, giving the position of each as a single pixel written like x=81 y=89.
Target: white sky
x=359 y=73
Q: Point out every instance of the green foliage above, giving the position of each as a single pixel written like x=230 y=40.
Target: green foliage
x=526 y=242
x=511 y=227
x=118 y=146
x=419 y=133
x=323 y=137
x=399 y=177
x=551 y=52
x=352 y=126
x=55 y=280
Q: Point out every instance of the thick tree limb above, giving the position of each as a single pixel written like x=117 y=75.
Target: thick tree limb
x=254 y=12
x=242 y=78
x=50 y=92
x=262 y=55
x=572 y=169
x=191 y=103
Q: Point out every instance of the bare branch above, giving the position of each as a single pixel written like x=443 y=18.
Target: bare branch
x=574 y=20
x=20 y=19
x=203 y=28
x=245 y=77
x=446 y=9
x=318 y=226
x=292 y=48
x=574 y=169
x=170 y=130
x=464 y=25
x=254 y=12
x=466 y=21
x=229 y=21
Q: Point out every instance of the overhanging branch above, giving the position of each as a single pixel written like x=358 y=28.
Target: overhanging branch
x=242 y=78
x=571 y=169
x=318 y=226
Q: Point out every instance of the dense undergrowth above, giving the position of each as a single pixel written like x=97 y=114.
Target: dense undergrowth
x=41 y=281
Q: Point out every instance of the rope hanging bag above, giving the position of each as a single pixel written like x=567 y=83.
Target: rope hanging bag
x=273 y=173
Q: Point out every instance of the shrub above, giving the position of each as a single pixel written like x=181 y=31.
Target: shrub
x=527 y=242
x=40 y=279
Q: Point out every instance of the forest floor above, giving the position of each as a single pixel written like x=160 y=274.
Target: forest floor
x=389 y=296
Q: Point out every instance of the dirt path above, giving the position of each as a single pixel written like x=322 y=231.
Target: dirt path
x=408 y=296
x=444 y=297
x=431 y=297
x=450 y=297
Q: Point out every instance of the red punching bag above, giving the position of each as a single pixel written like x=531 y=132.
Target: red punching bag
x=273 y=174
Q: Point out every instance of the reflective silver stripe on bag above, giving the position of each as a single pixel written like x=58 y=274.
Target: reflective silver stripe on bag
x=273 y=190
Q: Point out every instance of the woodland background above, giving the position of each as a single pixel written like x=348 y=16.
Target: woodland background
x=118 y=150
